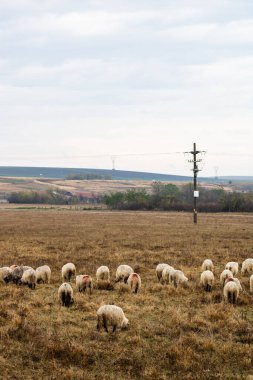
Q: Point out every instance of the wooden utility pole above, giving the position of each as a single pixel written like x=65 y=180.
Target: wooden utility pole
x=195 y=170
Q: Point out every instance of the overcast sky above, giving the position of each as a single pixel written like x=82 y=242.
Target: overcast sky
x=113 y=77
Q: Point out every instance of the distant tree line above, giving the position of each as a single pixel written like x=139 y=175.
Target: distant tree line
x=85 y=176
x=172 y=198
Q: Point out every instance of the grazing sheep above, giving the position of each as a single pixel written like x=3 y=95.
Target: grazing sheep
x=251 y=284
x=134 y=282
x=177 y=277
x=14 y=275
x=65 y=294
x=159 y=270
x=225 y=275
x=83 y=282
x=43 y=274
x=68 y=270
x=233 y=266
x=166 y=274
x=247 y=266
x=231 y=291
x=123 y=272
x=103 y=273
x=207 y=265
x=207 y=280
x=28 y=278
x=111 y=315
x=237 y=281
x=4 y=271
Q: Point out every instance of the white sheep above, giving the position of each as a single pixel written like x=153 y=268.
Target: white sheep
x=207 y=280
x=225 y=275
x=237 y=281
x=65 y=294
x=231 y=291
x=247 y=266
x=134 y=282
x=29 y=278
x=83 y=282
x=103 y=273
x=159 y=270
x=207 y=265
x=68 y=270
x=178 y=277
x=167 y=274
x=43 y=274
x=233 y=266
x=251 y=284
x=123 y=272
x=111 y=315
x=4 y=271
x=14 y=275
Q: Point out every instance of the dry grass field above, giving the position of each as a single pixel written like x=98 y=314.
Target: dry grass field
x=174 y=333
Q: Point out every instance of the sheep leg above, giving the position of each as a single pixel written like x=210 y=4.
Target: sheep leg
x=114 y=328
x=105 y=323
x=125 y=280
x=136 y=288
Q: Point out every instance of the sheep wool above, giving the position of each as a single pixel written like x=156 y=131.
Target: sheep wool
x=233 y=267
x=65 y=294
x=4 y=271
x=247 y=266
x=103 y=273
x=231 y=291
x=159 y=270
x=43 y=274
x=207 y=265
x=68 y=270
x=111 y=315
x=178 y=277
x=251 y=284
x=84 y=282
x=167 y=274
x=29 y=278
x=123 y=272
x=207 y=280
x=225 y=275
x=134 y=282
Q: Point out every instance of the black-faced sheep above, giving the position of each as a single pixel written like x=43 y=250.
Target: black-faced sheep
x=231 y=291
x=226 y=274
x=207 y=280
x=207 y=265
x=103 y=273
x=134 y=282
x=68 y=270
x=84 y=282
x=247 y=266
x=123 y=272
x=43 y=274
x=233 y=267
x=111 y=315
x=65 y=294
x=28 y=278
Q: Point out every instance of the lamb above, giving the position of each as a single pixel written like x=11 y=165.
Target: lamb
x=123 y=272
x=28 y=278
x=251 y=284
x=84 y=282
x=207 y=265
x=68 y=270
x=103 y=273
x=225 y=275
x=111 y=315
x=231 y=291
x=247 y=266
x=134 y=282
x=207 y=280
x=4 y=271
x=43 y=274
x=159 y=270
x=233 y=266
x=65 y=294
x=178 y=277
x=167 y=274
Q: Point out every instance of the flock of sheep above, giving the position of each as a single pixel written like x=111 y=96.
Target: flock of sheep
x=112 y=315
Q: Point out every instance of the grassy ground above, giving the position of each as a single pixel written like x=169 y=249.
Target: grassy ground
x=174 y=333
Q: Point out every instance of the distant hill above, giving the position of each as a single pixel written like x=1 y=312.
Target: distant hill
x=59 y=173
